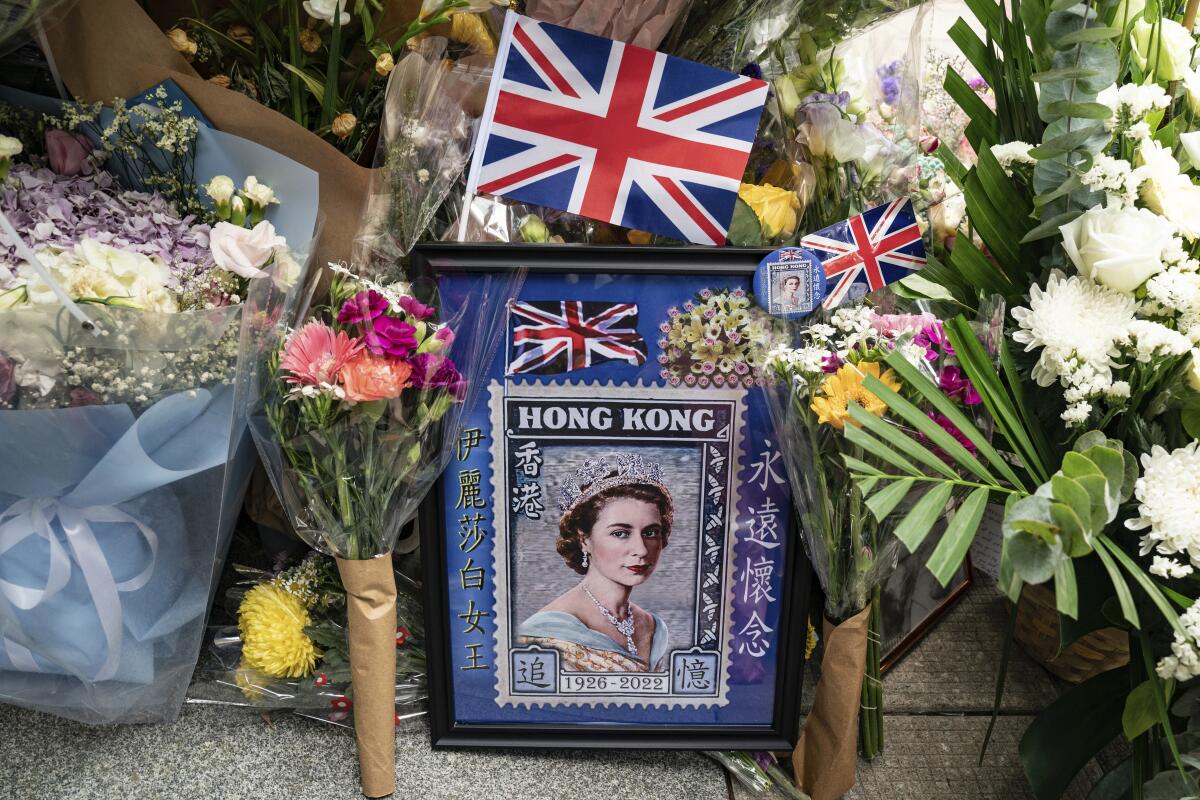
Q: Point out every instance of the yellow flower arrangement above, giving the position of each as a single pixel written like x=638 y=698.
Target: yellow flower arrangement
x=271 y=622
x=777 y=209
x=846 y=386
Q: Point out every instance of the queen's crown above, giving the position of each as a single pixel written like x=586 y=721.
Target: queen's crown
x=613 y=469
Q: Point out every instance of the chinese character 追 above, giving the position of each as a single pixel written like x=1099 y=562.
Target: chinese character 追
x=472 y=616
x=531 y=669
x=468 y=490
x=473 y=657
x=527 y=500
x=469 y=532
x=468 y=441
x=757 y=582
x=529 y=459
x=472 y=576
x=766 y=468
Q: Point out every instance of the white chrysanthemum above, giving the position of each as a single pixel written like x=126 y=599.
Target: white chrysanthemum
x=1116 y=177
x=1170 y=568
x=1150 y=339
x=1073 y=318
x=1168 y=495
x=1011 y=153
x=1184 y=662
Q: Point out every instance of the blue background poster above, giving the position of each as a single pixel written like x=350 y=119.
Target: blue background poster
x=598 y=366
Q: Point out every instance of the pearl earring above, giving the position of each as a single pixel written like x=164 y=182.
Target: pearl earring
x=585 y=559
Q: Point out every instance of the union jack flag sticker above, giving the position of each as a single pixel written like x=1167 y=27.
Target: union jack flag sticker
x=615 y=132
x=551 y=336
x=879 y=246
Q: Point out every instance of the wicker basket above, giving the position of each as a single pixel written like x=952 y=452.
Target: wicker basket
x=1037 y=633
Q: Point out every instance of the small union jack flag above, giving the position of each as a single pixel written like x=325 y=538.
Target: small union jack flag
x=564 y=335
x=875 y=248
x=615 y=132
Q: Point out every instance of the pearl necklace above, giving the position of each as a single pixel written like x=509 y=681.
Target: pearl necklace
x=624 y=627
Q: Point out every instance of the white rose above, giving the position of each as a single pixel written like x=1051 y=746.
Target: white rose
x=1191 y=84
x=220 y=189
x=1163 y=48
x=325 y=9
x=1117 y=247
x=10 y=147
x=1194 y=372
x=1166 y=190
x=258 y=193
x=243 y=251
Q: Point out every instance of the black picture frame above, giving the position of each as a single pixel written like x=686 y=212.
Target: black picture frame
x=446 y=731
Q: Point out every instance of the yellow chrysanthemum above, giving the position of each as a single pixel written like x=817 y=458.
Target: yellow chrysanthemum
x=272 y=622
x=846 y=386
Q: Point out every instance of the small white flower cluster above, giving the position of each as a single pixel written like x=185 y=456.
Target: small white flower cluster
x=317 y=390
x=1131 y=104
x=1168 y=495
x=392 y=292
x=1184 y=662
x=1116 y=177
x=1011 y=153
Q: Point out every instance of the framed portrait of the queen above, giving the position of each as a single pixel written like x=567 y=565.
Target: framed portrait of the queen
x=609 y=559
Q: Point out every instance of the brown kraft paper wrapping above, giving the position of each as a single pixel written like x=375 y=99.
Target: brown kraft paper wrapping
x=826 y=757
x=371 y=612
x=105 y=49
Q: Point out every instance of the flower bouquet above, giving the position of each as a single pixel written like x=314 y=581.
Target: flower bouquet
x=1082 y=205
x=356 y=418
x=836 y=380
x=122 y=450
x=291 y=649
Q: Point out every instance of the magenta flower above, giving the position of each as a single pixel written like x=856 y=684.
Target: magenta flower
x=415 y=308
x=933 y=339
x=362 y=307
x=388 y=336
x=432 y=371
x=954 y=382
x=831 y=363
x=950 y=428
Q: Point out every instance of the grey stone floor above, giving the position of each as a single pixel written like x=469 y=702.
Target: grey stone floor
x=937 y=703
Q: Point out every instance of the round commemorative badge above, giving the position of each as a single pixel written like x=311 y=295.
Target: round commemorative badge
x=789 y=283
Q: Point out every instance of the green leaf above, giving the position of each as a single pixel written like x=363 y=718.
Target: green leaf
x=1065 y=188
x=1069 y=733
x=867 y=484
x=956 y=541
x=1148 y=586
x=1065 y=143
x=1074 y=465
x=971 y=46
x=1085 y=36
x=916 y=525
x=1116 y=784
x=900 y=441
x=1066 y=594
x=1093 y=588
x=1068 y=108
x=886 y=499
x=1189 y=416
x=744 y=228
x=1111 y=463
x=870 y=444
x=1124 y=597
x=1050 y=227
x=1075 y=537
x=976 y=269
x=858 y=465
x=1063 y=5
x=1063 y=74
x=1141 y=710
x=972 y=105
x=314 y=85
x=998 y=230
x=954 y=167
x=1070 y=492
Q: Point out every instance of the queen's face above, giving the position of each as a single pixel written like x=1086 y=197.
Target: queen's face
x=791 y=285
x=626 y=541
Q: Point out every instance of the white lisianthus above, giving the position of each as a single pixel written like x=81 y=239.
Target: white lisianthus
x=1011 y=153
x=259 y=194
x=1132 y=102
x=325 y=9
x=1166 y=190
x=1191 y=146
x=244 y=251
x=830 y=135
x=220 y=189
x=1163 y=48
x=1117 y=247
x=10 y=147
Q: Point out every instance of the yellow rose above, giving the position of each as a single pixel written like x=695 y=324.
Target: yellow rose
x=775 y=208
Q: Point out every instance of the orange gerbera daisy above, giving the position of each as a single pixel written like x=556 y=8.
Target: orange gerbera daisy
x=846 y=386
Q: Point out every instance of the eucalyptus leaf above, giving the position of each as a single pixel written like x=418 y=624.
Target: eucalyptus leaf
x=1051 y=227
x=1086 y=36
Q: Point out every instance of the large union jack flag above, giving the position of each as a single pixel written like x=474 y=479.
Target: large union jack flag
x=564 y=335
x=875 y=248
x=615 y=132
